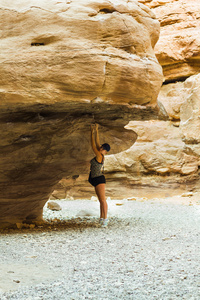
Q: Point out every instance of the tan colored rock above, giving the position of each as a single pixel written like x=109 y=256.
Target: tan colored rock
x=53 y=206
x=189 y=194
x=80 y=51
x=178 y=48
x=173 y=96
x=164 y=157
x=190 y=112
x=159 y=150
x=66 y=65
x=158 y=164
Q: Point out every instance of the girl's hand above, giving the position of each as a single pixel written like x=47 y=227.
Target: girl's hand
x=96 y=126
x=92 y=128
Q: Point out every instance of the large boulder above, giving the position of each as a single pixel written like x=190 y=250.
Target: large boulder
x=81 y=50
x=65 y=65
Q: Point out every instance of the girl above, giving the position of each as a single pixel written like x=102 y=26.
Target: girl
x=96 y=177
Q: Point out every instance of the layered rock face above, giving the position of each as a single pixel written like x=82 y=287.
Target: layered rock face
x=178 y=49
x=166 y=156
x=66 y=65
x=167 y=148
x=169 y=157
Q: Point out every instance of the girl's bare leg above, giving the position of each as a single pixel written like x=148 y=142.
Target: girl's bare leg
x=100 y=191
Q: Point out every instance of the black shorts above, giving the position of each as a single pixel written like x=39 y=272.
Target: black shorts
x=96 y=180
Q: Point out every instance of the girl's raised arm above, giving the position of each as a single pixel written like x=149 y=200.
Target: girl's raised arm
x=93 y=144
x=98 y=145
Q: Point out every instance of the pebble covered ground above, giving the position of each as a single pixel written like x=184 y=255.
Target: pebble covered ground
x=150 y=250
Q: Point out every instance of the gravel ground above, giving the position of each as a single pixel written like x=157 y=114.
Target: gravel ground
x=150 y=250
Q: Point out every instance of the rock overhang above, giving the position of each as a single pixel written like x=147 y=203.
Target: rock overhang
x=58 y=54
x=64 y=68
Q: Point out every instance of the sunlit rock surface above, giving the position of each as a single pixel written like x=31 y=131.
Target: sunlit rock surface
x=159 y=150
x=65 y=65
x=166 y=156
x=178 y=49
x=160 y=163
x=190 y=112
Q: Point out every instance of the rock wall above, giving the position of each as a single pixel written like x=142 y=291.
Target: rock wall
x=178 y=48
x=65 y=65
x=165 y=156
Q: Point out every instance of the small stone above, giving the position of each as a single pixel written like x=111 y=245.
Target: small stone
x=53 y=206
x=166 y=239
x=17 y=281
x=188 y=194
x=118 y=284
x=132 y=199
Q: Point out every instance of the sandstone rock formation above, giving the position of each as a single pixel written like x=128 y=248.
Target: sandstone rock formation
x=166 y=156
x=53 y=206
x=158 y=150
x=178 y=49
x=159 y=163
x=64 y=65
x=190 y=112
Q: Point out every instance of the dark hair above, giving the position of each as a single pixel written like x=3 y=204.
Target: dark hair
x=106 y=147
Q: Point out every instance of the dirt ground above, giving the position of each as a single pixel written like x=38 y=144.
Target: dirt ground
x=150 y=250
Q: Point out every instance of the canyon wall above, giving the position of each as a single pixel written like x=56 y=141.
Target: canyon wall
x=65 y=65
x=178 y=49
x=165 y=157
